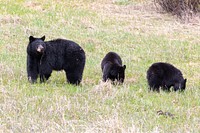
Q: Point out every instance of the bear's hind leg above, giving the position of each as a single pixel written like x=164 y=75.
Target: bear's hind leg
x=106 y=71
x=154 y=82
x=74 y=76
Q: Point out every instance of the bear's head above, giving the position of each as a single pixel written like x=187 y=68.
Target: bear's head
x=118 y=72
x=180 y=85
x=36 y=46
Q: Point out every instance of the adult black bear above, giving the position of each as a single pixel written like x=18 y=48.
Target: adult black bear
x=60 y=54
x=165 y=75
x=112 y=68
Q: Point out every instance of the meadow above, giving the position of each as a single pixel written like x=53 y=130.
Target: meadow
x=134 y=29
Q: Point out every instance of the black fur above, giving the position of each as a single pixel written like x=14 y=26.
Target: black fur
x=164 y=75
x=60 y=54
x=112 y=68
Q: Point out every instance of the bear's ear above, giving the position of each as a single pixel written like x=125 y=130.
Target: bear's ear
x=124 y=67
x=43 y=38
x=31 y=38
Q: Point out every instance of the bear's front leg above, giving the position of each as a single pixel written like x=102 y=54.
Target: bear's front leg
x=45 y=72
x=32 y=69
x=44 y=77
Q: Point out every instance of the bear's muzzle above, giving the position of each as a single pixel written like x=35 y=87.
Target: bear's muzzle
x=40 y=49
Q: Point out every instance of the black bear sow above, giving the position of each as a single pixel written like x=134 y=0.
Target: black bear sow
x=60 y=54
x=164 y=75
x=112 y=68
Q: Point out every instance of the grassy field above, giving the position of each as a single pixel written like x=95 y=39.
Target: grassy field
x=132 y=28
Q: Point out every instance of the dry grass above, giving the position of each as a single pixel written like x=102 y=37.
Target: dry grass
x=145 y=16
x=181 y=8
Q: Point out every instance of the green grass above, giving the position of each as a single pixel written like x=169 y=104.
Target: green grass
x=133 y=29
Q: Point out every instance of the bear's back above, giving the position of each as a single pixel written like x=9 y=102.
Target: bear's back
x=63 y=47
x=113 y=58
x=63 y=43
x=164 y=70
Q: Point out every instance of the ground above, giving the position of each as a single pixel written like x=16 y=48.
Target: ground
x=137 y=31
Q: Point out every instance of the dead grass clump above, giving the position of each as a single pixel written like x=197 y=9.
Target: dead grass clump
x=109 y=124
x=8 y=19
x=34 y=5
x=105 y=90
x=181 y=8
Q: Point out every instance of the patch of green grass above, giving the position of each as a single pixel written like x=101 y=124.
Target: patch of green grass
x=140 y=37
x=126 y=2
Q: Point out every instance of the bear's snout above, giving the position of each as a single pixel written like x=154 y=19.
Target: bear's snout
x=40 y=49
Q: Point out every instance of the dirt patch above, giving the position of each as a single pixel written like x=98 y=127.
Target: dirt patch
x=34 y=5
x=8 y=19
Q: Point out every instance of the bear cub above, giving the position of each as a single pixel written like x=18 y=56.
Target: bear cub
x=112 y=68
x=164 y=76
x=60 y=54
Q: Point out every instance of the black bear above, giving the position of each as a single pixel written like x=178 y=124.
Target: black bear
x=60 y=54
x=112 y=68
x=164 y=75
